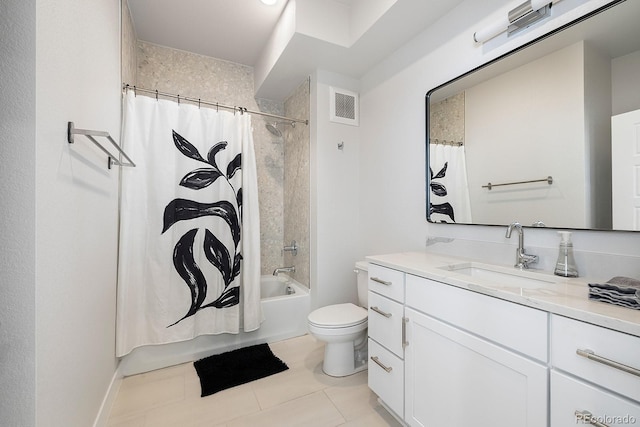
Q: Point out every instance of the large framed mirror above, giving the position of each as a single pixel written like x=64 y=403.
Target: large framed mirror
x=547 y=135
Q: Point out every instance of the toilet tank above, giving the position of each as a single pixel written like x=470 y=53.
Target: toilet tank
x=361 y=270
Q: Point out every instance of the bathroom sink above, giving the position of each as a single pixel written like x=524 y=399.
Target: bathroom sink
x=501 y=276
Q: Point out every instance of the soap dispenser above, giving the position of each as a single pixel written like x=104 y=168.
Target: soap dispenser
x=565 y=266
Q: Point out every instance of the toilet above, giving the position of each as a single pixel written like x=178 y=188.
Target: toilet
x=343 y=327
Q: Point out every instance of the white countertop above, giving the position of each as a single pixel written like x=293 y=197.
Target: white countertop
x=566 y=297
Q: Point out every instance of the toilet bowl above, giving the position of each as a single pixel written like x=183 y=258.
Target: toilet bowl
x=343 y=328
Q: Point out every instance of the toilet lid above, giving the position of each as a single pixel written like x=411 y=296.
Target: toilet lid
x=338 y=316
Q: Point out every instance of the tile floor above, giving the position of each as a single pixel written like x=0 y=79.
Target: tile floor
x=300 y=396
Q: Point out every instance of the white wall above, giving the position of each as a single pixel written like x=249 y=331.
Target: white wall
x=625 y=72
x=515 y=123
x=17 y=210
x=392 y=156
x=334 y=196
x=77 y=79
x=598 y=108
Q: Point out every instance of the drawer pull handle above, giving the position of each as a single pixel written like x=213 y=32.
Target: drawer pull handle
x=377 y=310
x=588 y=417
x=589 y=354
x=405 y=343
x=383 y=282
x=379 y=363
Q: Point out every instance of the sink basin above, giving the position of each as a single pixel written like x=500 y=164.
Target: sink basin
x=502 y=276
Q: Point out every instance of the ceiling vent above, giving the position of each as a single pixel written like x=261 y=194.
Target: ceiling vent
x=343 y=107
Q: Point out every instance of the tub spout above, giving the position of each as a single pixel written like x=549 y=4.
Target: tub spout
x=284 y=270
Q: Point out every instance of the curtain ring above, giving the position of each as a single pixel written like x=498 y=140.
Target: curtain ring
x=198 y=102
x=156 y=94
x=135 y=92
x=217 y=109
x=178 y=99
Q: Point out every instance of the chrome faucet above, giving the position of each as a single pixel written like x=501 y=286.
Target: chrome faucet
x=522 y=259
x=284 y=270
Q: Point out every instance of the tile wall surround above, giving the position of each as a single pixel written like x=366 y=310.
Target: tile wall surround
x=192 y=75
x=446 y=119
x=297 y=181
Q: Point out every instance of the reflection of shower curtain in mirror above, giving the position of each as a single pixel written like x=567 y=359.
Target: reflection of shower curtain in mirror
x=449 y=190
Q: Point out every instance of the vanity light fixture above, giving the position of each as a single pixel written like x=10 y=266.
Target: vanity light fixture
x=269 y=2
x=518 y=18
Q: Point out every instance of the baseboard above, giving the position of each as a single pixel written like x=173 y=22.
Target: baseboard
x=102 y=417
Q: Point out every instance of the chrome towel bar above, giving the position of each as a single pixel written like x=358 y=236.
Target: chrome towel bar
x=548 y=179
x=91 y=136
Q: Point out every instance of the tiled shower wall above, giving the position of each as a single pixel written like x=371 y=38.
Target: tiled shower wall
x=296 y=182
x=174 y=71
x=446 y=119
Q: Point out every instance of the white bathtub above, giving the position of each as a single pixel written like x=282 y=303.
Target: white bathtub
x=285 y=306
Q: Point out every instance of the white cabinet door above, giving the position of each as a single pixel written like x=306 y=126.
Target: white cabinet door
x=455 y=379
x=625 y=170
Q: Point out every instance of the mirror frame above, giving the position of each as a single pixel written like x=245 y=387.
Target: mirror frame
x=481 y=67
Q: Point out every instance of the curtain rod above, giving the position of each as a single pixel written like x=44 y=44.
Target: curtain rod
x=445 y=142
x=136 y=89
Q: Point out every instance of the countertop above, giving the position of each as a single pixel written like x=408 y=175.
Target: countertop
x=567 y=297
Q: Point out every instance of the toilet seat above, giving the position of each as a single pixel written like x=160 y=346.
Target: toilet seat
x=338 y=316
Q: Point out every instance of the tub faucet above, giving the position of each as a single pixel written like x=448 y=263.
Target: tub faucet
x=522 y=259
x=284 y=270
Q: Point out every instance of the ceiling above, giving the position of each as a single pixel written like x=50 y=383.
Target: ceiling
x=233 y=30
x=239 y=31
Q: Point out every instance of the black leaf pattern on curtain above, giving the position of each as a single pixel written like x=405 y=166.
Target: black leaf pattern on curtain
x=200 y=178
x=186 y=147
x=184 y=209
x=234 y=166
x=187 y=268
x=227 y=262
x=440 y=190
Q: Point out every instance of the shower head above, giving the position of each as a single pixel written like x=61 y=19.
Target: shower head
x=273 y=128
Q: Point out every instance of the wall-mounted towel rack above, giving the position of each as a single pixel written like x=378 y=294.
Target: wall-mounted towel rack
x=548 y=179
x=91 y=134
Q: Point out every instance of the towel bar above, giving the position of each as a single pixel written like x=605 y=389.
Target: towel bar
x=549 y=180
x=90 y=134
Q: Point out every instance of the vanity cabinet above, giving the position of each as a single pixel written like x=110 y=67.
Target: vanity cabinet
x=460 y=367
x=595 y=372
x=447 y=355
x=386 y=332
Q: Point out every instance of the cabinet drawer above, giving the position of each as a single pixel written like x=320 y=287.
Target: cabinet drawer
x=386 y=377
x=568 y=336
x=387 y=282
x=521 y=328
x=570 y=396
x=385 y=322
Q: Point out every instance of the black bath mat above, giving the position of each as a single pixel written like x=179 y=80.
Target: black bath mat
x=236 y=367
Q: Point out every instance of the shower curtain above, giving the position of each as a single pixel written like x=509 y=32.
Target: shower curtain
x=449 y=189
x=189 y=260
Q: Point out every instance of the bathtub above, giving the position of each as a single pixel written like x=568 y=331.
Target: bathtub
x=285 y=306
